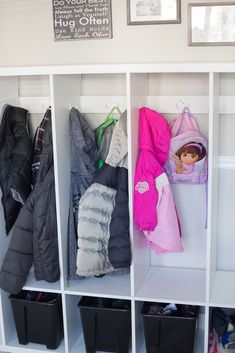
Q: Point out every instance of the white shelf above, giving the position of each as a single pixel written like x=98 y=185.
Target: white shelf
x=182 y=286
x=118 y=68
x=223 y=289
x=41 y=286
x=107 y=286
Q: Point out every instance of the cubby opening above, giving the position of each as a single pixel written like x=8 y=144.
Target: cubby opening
x=222 y=238
x=94 y=95
x=181 y=276
x=97 y=312
x=141 y=334
x=31 y=92
x=11 y=338
x=222 y=328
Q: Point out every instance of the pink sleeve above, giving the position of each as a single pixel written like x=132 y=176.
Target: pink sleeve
x=145 y=192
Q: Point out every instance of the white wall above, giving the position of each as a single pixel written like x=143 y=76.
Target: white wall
x=26 y=38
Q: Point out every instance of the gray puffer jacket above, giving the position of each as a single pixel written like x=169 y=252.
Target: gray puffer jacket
x=34 y=237
x=103 y=218
x=84 y=157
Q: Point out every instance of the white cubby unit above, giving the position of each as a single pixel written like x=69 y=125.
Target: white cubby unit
x=204 y=274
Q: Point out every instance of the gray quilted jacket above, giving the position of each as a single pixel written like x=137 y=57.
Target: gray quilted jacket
x=103 y=217
x=84 y=157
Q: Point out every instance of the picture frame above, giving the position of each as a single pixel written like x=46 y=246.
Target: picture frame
x=145 y=12
x=211 y=24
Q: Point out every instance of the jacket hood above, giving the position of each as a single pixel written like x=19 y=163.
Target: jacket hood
x=117 y=156
x=155 y=134
x=12 y=120
x=84 y=155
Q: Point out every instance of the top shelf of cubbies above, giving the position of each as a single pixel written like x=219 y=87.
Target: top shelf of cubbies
x=119 y=68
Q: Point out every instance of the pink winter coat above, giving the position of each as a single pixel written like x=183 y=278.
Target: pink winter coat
x=154 y=208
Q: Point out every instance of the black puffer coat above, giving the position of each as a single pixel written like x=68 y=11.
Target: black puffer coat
x=34 y=238
x=15 y=162
x=119 y=243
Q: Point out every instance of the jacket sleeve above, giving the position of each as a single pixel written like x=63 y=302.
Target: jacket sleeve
x=145 y=193
x=19 y=256
x=19 y=182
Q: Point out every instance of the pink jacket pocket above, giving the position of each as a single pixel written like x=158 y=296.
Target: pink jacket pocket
x=145 y=192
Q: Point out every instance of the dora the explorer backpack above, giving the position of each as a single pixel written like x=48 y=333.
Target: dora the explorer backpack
x=188 y=151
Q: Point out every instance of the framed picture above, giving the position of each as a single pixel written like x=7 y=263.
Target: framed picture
x=142 y=12
x=211 y=24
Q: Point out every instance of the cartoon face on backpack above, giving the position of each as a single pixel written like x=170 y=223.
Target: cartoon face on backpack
x=187 y=156
x=188 y=151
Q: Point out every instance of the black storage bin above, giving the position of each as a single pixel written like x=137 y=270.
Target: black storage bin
x=169 y=333
x=106 y=324
x=38 y=318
